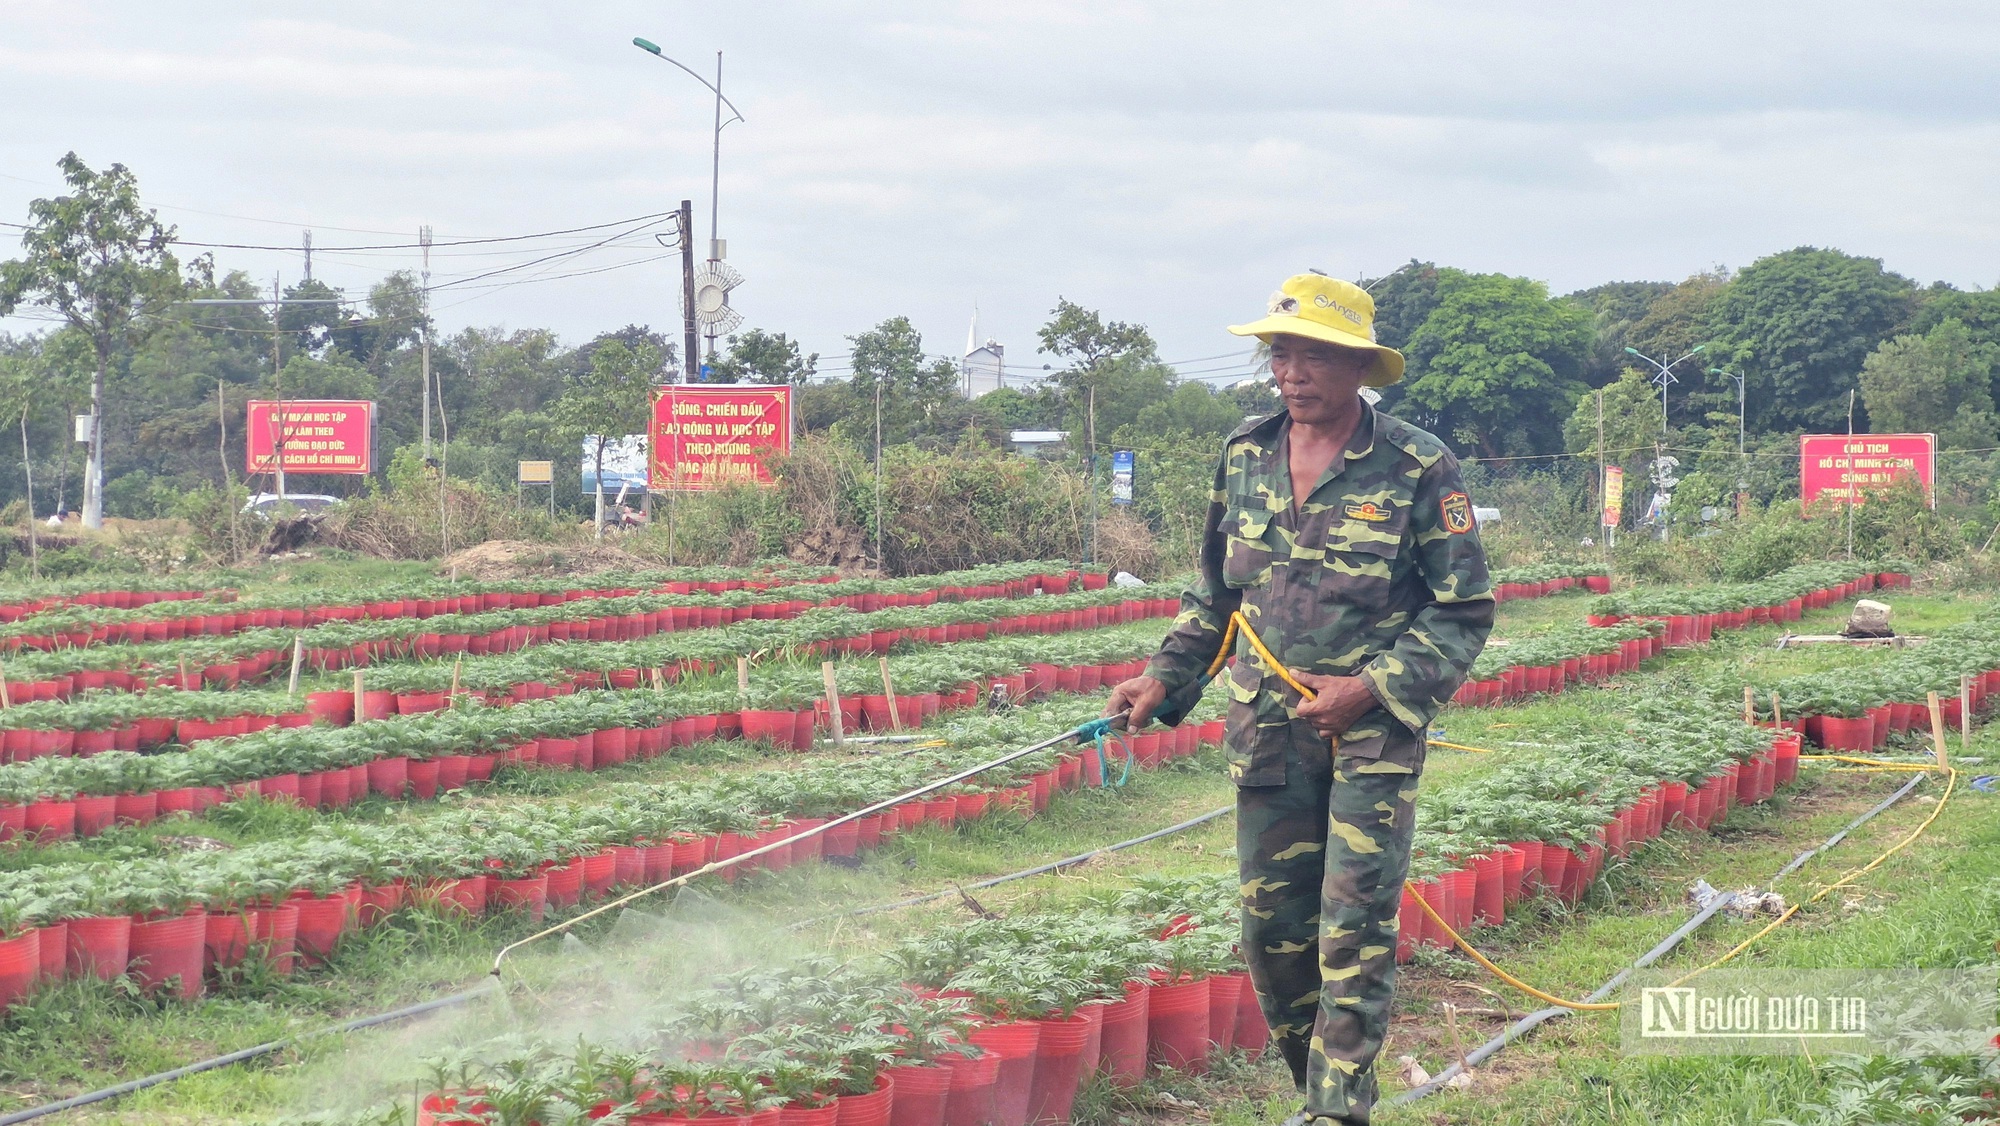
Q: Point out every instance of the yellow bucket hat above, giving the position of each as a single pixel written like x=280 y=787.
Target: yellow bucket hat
x=1318 y=307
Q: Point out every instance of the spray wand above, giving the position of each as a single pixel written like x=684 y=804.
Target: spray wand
x=1087 y=732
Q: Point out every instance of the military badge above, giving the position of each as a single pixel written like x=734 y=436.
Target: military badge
x=1457 y=511
x=1369 y=511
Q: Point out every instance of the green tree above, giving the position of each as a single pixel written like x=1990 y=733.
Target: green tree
x=1403 y=298
x=918 y=393
x=1805 y=319
x=1615 y=308
x=611 y=398
x=1113 y=361
x=103 y=261
x=1191 y=409
x=1496 y=365
x=1938 y=383
x=763 y=357
x=1631 y=426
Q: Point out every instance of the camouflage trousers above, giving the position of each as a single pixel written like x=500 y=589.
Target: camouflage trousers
x=1322 y=860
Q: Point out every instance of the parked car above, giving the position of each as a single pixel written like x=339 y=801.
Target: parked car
x=269 y=504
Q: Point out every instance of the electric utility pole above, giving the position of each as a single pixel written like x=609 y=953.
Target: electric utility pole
x=278 y=385
x=690 y=329
x=424 y=240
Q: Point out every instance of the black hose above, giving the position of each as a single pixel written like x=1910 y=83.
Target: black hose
x=1023 y=874
x=236 y=1057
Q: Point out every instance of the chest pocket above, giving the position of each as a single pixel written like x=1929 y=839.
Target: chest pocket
x=1246 y=559
x=1362 y=557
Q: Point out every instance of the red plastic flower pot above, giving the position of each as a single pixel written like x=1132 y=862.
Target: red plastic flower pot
x=528 y=893
x=1015 y=1043
x=464 y=897
x=389 y=776
x=423 y=778
x=827 y=1115
x=941 y=811
x=973 y=1078
x=1464 y=883
x=565 y=883
x=321 y=921
x=1576 y=874
x=226 y=939
x=274 y=935
x=20 y=965
x=1252 y=1033
x=169 y=950
x=138 y=809
x=1409 y=925
x=1177 y=1025
x=55 y=945
x=50 y=820
x=767 y=726
x=971 y=807
x=95 y=813
x=599 y=869
x=844 y=840
x=1489 y=892
x=1225 y=999
x=1513 y=869
x=1122 y=1042
x=871 y=1109
x=452 y=771
x=921 y=1093
x=98 y=946
x=1060 y=1069
x=806 y=849
x=691 y=853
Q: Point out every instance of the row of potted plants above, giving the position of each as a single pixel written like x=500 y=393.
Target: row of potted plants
x=190 y=912
x=1858 y=708
x=1781 y=597
x=1536 y=580
x=111 y=721
x=1555 y=659
x=77 y=626
x=1551 y=818
x=17 y=603
x=999 y=1022
x=227 y=660
x=53 y=798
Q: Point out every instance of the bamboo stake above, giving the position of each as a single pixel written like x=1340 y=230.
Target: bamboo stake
x=889 y=690
x=832 y=703
x=1749 y=705
x=357 y=695
x=184 y=675
x=6 y=695
x=743 y=677
x=1937 y=729
x=455 y=667
x=298 y=659
x=659 y=678
x=1777 y=712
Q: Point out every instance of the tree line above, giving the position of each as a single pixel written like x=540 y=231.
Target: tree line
x=1498 y=366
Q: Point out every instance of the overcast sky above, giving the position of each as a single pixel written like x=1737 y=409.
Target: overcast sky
x=1168 y=163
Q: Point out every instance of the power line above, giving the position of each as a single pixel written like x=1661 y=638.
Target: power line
x=419 y=246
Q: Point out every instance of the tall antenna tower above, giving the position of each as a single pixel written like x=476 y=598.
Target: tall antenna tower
x=306 y=243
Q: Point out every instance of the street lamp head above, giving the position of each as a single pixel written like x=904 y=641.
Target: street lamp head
x=646 y=45
x=1698 y=348
x=1634 y=351
x=1717 y=371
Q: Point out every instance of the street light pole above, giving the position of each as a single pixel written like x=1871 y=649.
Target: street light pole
x=715 y=168
x=1665 y=377
x=1741 y=464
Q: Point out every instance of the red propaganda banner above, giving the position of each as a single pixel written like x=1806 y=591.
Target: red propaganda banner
x=1842 y=469
x=706 y=437
x=317 y=435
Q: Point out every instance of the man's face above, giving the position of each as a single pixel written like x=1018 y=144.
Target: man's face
x=1317 y=380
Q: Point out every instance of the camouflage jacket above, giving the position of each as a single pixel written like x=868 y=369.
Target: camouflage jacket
x=1379 y=574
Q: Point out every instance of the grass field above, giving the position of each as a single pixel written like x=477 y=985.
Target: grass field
x=1936 y=904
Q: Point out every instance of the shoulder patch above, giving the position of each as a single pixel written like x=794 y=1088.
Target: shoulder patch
x=1456 y=509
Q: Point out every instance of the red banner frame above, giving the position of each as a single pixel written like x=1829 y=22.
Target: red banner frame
x=320 y=436
x=710 y=436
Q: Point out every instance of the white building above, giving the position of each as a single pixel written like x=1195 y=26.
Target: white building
x=984 y=368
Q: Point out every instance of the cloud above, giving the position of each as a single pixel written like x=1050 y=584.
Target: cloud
x=1168 y=161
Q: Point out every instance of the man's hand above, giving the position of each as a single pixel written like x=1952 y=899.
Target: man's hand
x=1141 y=694
x=1338 y=701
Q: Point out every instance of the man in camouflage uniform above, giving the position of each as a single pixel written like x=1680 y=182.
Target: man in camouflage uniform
x=1370 y=585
